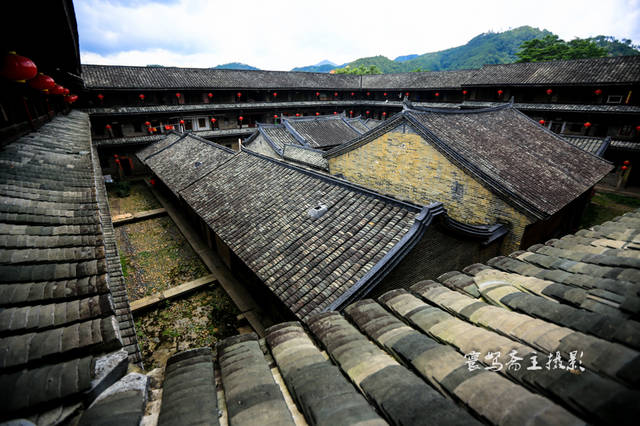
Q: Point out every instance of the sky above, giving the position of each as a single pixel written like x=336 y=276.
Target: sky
x=276 y=35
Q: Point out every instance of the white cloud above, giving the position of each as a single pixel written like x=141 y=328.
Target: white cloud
x=273 y=35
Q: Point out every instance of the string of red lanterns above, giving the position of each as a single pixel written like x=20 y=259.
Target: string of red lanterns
x=22 y=69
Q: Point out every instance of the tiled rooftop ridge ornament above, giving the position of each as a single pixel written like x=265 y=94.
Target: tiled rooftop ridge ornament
x=317 y=211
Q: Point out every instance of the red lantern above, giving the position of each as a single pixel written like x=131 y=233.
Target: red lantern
x=335 y=112
x=464 y=92
x=368 y=93
x=241 y=118
x=624 y=168
x=317 y=113
x=626 y=162
x=541 y=122
x=178 y=95
x=100 y=95
x=167 y=127
x=638 y=128
x=367 y=112
x=118 y=161
x=149 y=129
x=384 y=113
x=275 y=94
x=141 y=96
x=500 y=92
x=152 y=181
x=42 y=82
x=587 y=124
x=239 y=94
x=352 y=93
x=350 y=112
x=115 y=155
x=549 y=91
x=407 y=94
x=384 y=94
x=335 y=94
x=213 y=120
x=181 y=121
x=210 y=95
x=71 y=98
x=155 y=129
x=57 y=90
x=297 y=114
x=147 y=123
x=66 y=91
x=598 y=92
x=108 y=127
x=275 y=116
x=317 y=93
x=437 y=94
x=18 y=68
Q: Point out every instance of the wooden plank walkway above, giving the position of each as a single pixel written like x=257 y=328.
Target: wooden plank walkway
x=123 y=219
x=170 y=293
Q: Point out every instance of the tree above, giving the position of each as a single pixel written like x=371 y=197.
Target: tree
x=551 y=48
x=361 y=70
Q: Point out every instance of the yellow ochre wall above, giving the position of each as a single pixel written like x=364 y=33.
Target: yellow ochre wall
x=408 y=167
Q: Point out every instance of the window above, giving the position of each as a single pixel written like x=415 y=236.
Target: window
x=202 y=122
x=188 y=124
x=614 y=99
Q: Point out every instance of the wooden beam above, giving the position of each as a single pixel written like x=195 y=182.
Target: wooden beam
x=123 y=219
x=171 y=293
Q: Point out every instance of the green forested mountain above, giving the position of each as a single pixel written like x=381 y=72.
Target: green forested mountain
x=487 y=48
x=234 y=66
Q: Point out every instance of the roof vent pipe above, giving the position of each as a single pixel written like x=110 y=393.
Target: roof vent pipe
x=317 y=211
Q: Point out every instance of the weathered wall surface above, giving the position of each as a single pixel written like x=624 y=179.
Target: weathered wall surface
x=408 y=167
x=436 y=253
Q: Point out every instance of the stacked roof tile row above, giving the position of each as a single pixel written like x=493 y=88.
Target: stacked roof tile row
x=63 y=320
x=548 y=335
x=615 y=70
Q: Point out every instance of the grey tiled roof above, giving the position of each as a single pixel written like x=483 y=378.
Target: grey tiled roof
x=594 y=145
x=615 y=70
x=513 y=155
x=60 y=315
x=160 y=144
x=264 y=211
x=620 y=109
x=146 y=139
x=184 y=161
x=303 y=155
x=625 y=145
x=130 y=140
x=410 y=352
x=126 y=77
x=321 y=132
x=418 y=80
x=278 y=135
x=359 y=124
